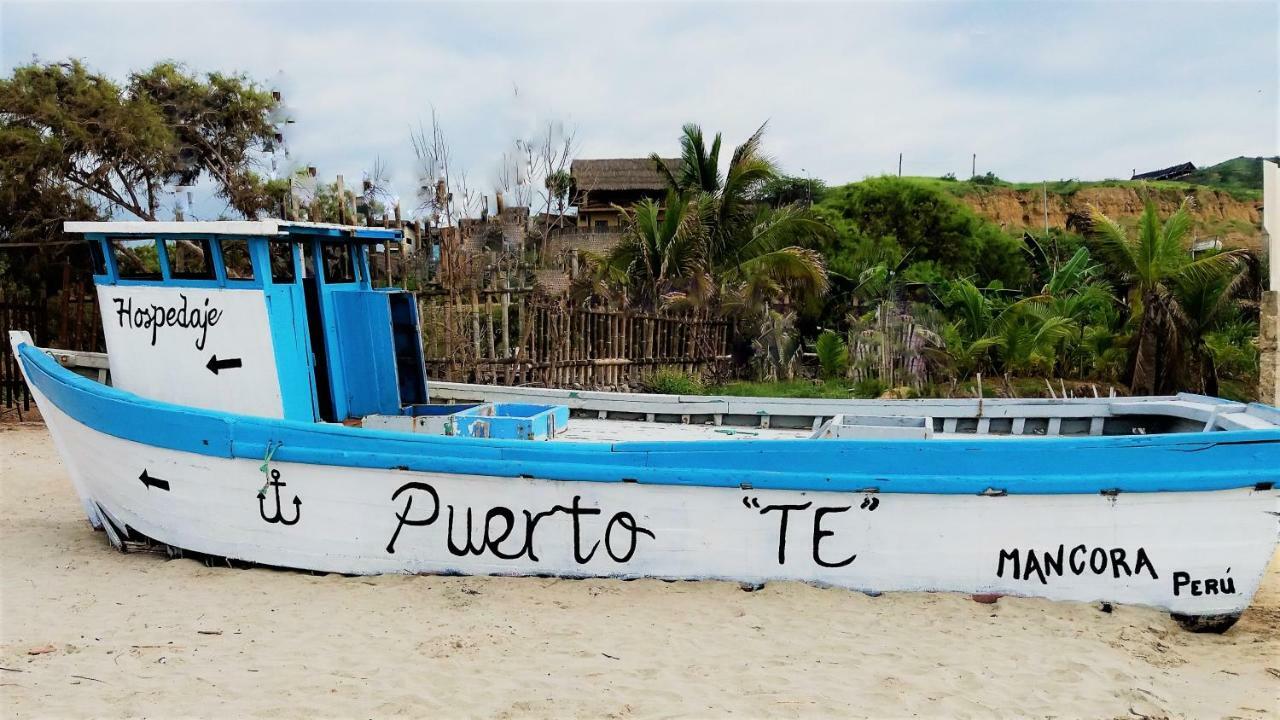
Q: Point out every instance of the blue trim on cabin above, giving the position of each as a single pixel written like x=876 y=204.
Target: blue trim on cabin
x=1086 y=465
x=347 y=232
x=290 y=336
x=166 y=279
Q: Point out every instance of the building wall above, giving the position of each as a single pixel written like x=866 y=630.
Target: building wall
x=1269 y=335
x=1269 y=344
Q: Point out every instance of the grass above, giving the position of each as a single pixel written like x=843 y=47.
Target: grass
x=826 y=389
x=1023 y=387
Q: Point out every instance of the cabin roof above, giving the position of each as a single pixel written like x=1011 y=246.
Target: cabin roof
x=620 y=174
x=261 y=228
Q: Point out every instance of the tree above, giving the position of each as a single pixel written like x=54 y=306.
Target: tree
x=1209 y=302
x=220 y=125
x=558 y=184
x=755 y=254
x=833 y=354
x=661 y=252
x=125 y=146
x=1025 y=335
x=1161 y=281
x=924 y=223
x=791 y=190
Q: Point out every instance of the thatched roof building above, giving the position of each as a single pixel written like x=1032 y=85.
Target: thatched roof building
x=619 y=174
x=598 y=185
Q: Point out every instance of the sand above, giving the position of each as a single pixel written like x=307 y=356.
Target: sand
x=142 y=635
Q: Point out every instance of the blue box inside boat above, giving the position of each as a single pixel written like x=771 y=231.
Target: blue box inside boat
x=518 y=421
x=513 y=421
x=437 y=409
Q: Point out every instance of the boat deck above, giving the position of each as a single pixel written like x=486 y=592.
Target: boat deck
x=595 y=430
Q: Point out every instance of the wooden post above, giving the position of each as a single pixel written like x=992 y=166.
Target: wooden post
x=342 y=201
x=488 y=316
x=66 y=302
x=475 y=320
x=506 y=308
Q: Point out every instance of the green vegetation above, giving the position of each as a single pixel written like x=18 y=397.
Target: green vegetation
x=925 y=295
x=833 y=354
x=889 y=222
x=673 y=382
x=785 y=388
x=713 y=247
x=1174 y=300
x=123 y=145
x=76 y=145
x=1240 y=178
x=1242 y=175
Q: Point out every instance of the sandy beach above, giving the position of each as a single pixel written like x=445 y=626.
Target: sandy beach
x=86 y=631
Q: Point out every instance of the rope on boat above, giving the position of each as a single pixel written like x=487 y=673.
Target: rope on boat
x=265 y=468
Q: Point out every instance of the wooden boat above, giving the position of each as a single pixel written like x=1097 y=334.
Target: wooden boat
x=260 y=402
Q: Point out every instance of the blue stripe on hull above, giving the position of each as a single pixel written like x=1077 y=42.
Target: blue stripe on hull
x=1152 y=463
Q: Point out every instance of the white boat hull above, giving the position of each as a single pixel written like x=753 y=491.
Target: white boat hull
x=1193 y=553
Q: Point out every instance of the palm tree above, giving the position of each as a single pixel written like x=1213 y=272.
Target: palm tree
x=1150 y=267
x=661 y=253
x=1028 y=336
x=1208 y=303
x=1025 y=335
x=699 y=169
x=1076 y=292
x=754 y=253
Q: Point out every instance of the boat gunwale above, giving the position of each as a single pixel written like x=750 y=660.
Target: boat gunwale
x=798 y=464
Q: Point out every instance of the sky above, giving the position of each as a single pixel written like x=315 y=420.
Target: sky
x=1038 y=90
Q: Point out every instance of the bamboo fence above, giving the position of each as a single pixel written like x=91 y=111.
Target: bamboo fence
x=506 y=337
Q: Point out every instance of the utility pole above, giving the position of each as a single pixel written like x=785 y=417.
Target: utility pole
x=899 y=164
x=973 y=169
x=1045 y=200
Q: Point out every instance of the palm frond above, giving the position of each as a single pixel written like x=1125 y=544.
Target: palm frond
x=1207 y=268
x=1113 y=242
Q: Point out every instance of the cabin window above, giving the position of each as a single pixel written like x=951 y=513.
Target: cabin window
x=136 y=259
x=96 y=258
x=339 y=266
x=235 y=258
x=283 y=265
x=189 y=259
x=602 y=226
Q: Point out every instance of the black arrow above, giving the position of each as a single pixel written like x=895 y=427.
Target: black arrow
x=215 y=364
x=152 y=482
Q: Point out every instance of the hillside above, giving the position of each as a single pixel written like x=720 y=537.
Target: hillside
x=1237 y=174
x=1218 y=214
x=1227 y=200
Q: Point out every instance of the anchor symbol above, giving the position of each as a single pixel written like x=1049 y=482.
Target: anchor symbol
x=279 y=516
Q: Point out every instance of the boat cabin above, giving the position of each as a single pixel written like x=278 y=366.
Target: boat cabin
x=270 y=318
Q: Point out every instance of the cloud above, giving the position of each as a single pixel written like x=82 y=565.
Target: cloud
x=1037 y=90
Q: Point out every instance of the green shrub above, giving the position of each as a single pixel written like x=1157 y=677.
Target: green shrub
x=892 y=221
x=673 y=382
x=869 y=388
x=833 y=354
